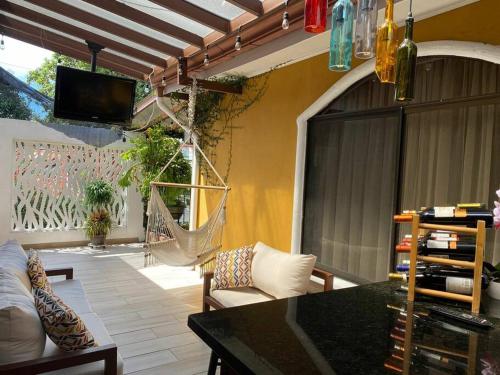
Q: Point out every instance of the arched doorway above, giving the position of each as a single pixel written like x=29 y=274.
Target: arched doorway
x=367 y=157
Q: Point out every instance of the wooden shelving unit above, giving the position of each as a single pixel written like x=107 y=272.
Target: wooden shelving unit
x=477 y=265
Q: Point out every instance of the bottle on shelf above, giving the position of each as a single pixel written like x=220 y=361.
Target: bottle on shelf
x=462 y=214
x=453 y=281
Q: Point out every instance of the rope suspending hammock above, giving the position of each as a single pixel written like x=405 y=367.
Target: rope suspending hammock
x=166 y=240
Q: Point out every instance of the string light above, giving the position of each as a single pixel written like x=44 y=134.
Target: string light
x=2 y=43
x=286 y=21
x=163 y=81
x=237 y=45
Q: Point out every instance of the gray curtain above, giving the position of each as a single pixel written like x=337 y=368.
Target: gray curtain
x=350 y=192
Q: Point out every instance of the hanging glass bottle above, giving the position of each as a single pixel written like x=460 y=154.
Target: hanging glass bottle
x=315 y=15
x=366 y=29
x=341 y=37
x=406 y=65
x=387 y=45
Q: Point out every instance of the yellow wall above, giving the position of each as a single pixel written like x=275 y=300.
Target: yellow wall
x=264 y=139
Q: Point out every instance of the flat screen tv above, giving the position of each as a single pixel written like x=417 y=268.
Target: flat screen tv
x=88 y=96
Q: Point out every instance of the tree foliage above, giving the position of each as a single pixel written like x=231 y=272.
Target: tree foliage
x=13 y=105
x=45 y=75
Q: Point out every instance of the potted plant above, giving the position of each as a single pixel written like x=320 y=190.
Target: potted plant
x=98 y=197
x=148 y=156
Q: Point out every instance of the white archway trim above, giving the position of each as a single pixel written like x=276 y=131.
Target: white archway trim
x=482 y=51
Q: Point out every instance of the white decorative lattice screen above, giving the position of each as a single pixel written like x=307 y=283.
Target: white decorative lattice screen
x=49 y=182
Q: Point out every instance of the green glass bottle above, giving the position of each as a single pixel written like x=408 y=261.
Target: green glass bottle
x=406 y=65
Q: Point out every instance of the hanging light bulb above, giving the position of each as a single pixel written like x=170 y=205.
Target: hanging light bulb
x=387 y=45
x=2 y=43
x=146 y=88
x=341 y=36
x=237 y=45
x=164 y=81
x=286 y=21
x=366 y=29
x=406 y=64
x=315 y=16
x=206 y=60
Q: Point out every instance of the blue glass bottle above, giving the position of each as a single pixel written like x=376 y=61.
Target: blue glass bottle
x=341 y=37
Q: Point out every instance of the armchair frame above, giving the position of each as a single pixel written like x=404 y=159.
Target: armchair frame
x=209 y=301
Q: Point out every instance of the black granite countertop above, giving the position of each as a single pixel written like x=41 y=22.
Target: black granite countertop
x=347 y=331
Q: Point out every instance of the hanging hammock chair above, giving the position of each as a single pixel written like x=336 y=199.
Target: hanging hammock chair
x=166 y=240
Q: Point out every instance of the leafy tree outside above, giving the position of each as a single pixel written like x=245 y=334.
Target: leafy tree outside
x=13 y=105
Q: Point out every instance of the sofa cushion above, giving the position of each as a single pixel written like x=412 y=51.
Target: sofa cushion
x=240 y=296
x=22 y=336
x=14 y=258
x=232 y=268
x=280 y=274
x=101 y=335
x=61 y=323
x=37 y=274
x=73 y=295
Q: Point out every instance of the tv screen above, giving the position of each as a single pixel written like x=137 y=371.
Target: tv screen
x=88 y=96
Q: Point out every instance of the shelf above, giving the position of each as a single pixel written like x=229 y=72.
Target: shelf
x=441 y=294
x=450 y=228
x=449 y=262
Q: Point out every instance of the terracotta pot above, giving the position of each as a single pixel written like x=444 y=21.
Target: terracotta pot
x=98 y=240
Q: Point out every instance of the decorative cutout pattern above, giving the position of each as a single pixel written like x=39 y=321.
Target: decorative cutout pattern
x=49 y=182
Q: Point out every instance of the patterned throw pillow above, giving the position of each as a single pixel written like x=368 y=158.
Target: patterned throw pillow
x=37 y=274
x=63 y=326
x=233 y=268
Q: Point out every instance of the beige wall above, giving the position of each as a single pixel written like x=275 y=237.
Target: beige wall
x=264 y=138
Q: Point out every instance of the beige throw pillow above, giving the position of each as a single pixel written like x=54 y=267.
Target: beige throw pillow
x=22 y=337
x=280 y=274
x=63 y=326
x=14 y=258
x=233 y=268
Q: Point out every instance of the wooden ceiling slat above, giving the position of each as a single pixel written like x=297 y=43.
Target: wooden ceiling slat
x=105 y=25
x=145 y=19
x=45 y=35
x=67 y=51
x=195 y=13
x=66 y=28
x=252 y=6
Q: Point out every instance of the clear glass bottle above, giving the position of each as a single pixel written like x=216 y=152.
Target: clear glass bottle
x=341 y=36
x=387 y=45
x=365 y=37
x=315 y=12
x=406 y=65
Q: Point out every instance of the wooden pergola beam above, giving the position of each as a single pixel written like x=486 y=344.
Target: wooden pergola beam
x=68 y=51
x=145 y=19
x=252 y=6
x=66 y=28
x=45 y=35
x=108 y=26
x=195 y=13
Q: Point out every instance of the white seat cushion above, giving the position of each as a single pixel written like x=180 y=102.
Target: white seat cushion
x=22 y=337
x=240 y=296
x=101 y=335
x=280 y=274
x=14 y=258
x=73 y=294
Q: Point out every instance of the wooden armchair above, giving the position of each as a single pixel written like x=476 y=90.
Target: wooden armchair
x=209 y=301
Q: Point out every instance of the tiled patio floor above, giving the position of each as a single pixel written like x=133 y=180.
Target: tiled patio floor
x=144 y=309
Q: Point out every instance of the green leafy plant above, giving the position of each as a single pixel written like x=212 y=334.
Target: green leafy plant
x=98 y=194
x=98 y=223
x=148 y=155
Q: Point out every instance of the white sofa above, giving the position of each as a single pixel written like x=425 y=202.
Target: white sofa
x=24 y=347
x=275 y=274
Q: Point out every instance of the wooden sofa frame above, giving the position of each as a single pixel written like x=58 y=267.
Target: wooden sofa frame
x=106 y=353
x=209 y=301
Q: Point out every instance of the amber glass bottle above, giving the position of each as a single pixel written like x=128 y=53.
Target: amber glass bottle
x=387 y=45
x=406 y=65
